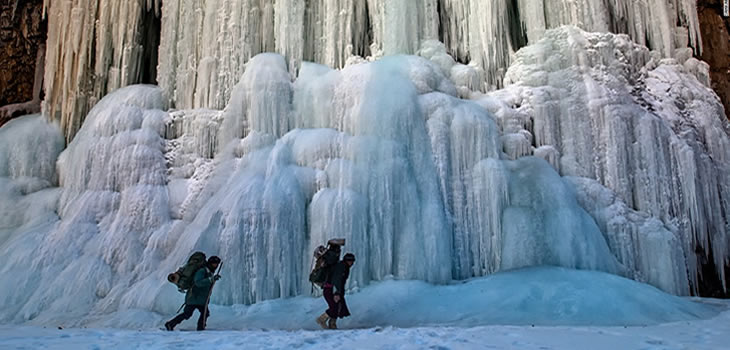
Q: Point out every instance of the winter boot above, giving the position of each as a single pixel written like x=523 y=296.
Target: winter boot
x=322 y=320
x=333 y=323
x=169 y=326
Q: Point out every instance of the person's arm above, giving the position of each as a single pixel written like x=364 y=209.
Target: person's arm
x=339 y=279
x=201 y=280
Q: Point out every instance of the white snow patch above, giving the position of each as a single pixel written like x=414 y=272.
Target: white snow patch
x=525 y=306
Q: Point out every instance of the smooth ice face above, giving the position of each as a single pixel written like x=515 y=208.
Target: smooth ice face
x=29 y=147
x=545 y=225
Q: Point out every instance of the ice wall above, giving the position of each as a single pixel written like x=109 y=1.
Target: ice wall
x=208 y=43
x=601 y=107
x=361 y=164
x=268 y=155
x=380 y=153
x=94 y=47
x=29 y=147
x=642 y=243
x=112 y=199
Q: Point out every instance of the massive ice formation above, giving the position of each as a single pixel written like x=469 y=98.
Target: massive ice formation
x=422 y=184
x=29 y=148
x=113 y=197
x=94 y=47
x=97 y=46
x=216 y=44
x=601 y=107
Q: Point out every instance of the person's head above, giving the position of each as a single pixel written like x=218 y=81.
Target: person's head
x=213 y=262
x=349 y=259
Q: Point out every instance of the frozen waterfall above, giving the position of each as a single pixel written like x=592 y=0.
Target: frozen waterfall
x=598 y=153
x=97 y=46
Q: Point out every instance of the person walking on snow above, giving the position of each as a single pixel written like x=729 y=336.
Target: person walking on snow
x=334 y=293
x=197 y=296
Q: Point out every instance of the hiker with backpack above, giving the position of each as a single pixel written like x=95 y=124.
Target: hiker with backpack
x=334 y=293
x=198 y=292
x=324 y=259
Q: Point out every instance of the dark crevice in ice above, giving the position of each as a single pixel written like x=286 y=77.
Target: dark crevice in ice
x=517 y=29
x=151 y=29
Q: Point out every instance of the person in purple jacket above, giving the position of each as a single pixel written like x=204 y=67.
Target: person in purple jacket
x=334 y=293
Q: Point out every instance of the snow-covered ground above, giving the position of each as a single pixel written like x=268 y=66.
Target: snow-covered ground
x=712 y=334
x=535 y=308
x=546 y=296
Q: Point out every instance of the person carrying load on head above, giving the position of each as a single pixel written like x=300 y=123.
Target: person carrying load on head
x=324 y=260
x=326 y=266
x=334 y=292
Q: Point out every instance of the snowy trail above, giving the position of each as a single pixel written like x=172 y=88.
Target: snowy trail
x=709 y=334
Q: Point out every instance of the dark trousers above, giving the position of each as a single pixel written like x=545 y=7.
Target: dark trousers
x=188 y=312
x=335 y=310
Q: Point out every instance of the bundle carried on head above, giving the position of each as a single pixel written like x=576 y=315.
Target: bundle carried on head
x=336 y=241
x=325 y=258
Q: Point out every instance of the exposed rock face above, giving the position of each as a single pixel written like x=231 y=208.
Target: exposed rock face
x=716 y=52
x=716 y=47
x=22 y=35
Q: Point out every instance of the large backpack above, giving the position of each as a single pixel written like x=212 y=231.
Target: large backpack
x=184 y=277
x=324 y=258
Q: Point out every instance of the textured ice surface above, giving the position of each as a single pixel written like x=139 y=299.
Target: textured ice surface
x=207 y=47
x=422 y=184
x=604 y=108
x=29 y=147
x=94 y=47
x=97 y=46
x=365 y=172
x=113 y=197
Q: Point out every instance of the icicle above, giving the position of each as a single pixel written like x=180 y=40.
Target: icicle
x=93 y=48
x=204 y=46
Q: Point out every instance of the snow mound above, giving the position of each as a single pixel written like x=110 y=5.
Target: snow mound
x=547 y=296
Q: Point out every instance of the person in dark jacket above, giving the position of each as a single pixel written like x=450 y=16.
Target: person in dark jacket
x=197 y=296
x=334 y=293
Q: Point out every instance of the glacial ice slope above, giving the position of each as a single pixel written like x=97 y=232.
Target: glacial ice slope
x=421 y=184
